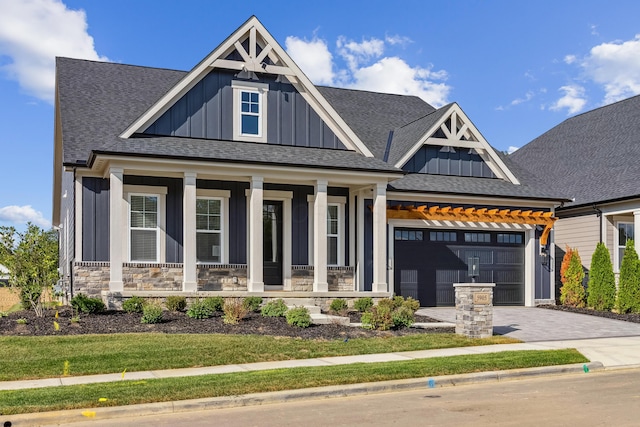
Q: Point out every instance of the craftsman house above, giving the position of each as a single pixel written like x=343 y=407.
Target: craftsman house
x=591 y=158
x=240 y=177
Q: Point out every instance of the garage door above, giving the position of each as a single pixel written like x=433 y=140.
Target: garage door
x=428 y=262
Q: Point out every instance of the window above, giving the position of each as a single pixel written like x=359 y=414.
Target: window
x=250 y=111
x=209 y=222
x=443 y=236
x=143 y=226
x=408 y=235
x=333 y=233
x=625 y=232
x=477 y=237
x=510 y=238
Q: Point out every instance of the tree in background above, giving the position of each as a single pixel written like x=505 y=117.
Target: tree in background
x=628 y=288
x=32 y=260
x=571 y=274
x=601 y=290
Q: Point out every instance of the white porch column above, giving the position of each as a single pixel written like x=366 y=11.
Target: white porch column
x=320 y=238
x=379 y=238
x=636 y=230
x=189 y=271
x=360 y=263
x=255 y=282
x=352 y=229
x=117 y=228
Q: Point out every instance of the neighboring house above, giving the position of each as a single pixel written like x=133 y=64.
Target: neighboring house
x=240 y=177
x=4 y=276
x=593 y=159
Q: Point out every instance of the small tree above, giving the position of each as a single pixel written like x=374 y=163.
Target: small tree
x=572 y=292
x=628 y=291
x=601 y=290
x=32 y=260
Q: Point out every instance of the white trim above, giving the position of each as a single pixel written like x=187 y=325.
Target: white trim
x=205 y=192
x=616 y=242
x=146 y=189
x=530 y=250
x=78 y=218
x=189 y=249
x=285 y=66
x=160 y=226
x=116 y=223
x=320 y=237
x=339 y=201
x=255 y=262
x=490 y=157
x=251 y=87
x=380 y=238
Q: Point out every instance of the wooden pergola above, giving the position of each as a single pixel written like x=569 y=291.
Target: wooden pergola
x=476 y=215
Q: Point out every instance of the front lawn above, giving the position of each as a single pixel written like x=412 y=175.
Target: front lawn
x=45 y=357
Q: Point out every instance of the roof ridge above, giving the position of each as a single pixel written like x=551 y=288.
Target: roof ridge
x=426 y=115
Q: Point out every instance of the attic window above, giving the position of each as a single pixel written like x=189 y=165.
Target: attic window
x=250 y=111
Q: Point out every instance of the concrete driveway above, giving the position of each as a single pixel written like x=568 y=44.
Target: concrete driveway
x=532 y=324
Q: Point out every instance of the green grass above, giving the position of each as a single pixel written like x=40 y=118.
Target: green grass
x=134 y=392
x=44 y=357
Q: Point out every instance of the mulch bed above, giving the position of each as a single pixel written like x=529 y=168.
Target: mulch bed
x=627 y=317
x=110 y=322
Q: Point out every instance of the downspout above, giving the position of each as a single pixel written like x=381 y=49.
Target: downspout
x=599 y=215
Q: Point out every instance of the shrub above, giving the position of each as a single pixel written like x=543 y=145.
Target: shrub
x=253 y=303
x=151 y=313
x=87 y=305
x=28 y=295
x=572 y=292
x=234 y=310
x=135 y=304
x=379 y=317
x=403 y=316
x=299 y=316
x=628 y=292
x=199 y=309
x=363 y=304
x=338 y=305
x=214 y=304
x=412 y=304
x=274 y=308
x=176 y=303
x=601 y=290
x=397 y=301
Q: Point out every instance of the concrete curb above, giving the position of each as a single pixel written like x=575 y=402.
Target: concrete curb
x=105 y=413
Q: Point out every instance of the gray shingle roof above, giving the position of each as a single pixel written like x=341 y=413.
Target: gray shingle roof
x=405 y=137
x=373 y=115
x=592 y=157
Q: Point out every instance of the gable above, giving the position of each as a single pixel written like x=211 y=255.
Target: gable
x=451 y=132
x=207 y=111
x=252 y=54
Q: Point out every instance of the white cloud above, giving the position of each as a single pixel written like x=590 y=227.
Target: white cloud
x=573 y=100
x=616 y=66
x=33 y=33
x=313 y=57
x=527 y=97
x=398 y=40
x=570 y=59
x=22 y=215
x=512 y=149
x=357 y=53
x=366 y=68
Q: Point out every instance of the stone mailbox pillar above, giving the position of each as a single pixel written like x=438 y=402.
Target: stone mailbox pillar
x=474 y=309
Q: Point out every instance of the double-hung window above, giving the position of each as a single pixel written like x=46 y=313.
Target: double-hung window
x=209 y=225
x=144 y=230
x=625 y=232
x=333 y=234
x=250 y=111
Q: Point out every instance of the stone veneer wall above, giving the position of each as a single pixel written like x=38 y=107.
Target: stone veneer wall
x=340 y=279
x=222 y=277
x=474 y=316
x=90 y=277
x=152 y=277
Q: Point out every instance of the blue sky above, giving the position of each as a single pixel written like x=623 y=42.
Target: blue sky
x=516 y=68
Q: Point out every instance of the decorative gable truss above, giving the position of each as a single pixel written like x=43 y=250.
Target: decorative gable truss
x=252 y=51
x=454 y=129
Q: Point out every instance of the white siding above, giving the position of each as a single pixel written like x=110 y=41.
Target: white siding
x=582 y=233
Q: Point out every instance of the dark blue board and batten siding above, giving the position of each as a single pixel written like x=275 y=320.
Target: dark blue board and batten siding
x=206 y=111
x=439 y=160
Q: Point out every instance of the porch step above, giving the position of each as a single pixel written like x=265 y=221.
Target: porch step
x=327 y=319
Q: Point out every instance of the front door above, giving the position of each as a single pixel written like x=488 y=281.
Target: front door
x=272 y=241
